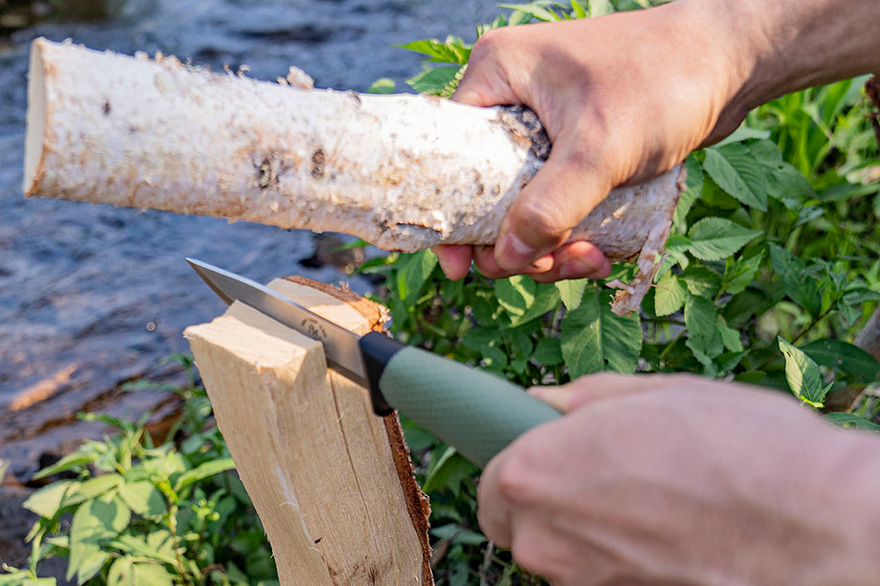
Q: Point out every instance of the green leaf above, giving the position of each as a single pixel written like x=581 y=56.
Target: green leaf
x=449 y=471
x=453 y=50
x=802 y=375
x=577 y=9
x=737 y=172
x=844 y=357
x=121 y=573
x=458 y=534
x=534 y=9
x=729 y=337
x=78 y=460
x=571 y=292
x=800 y=286
x=146 y=574
x=434 y=80
x=46 y=501
x=143 y=498
x=383 y=85
x=716 y=238
x=852 y=420
x=741 y=273
x=701 y=280
x=702 y=326
x=744 y=133
x=595 y=339
x=203 y=471
x=548 y=352
x=93 y=523
x=516 y=294
x=669 y=295
x=91 y=566
x=414 y=271
x=600 y=7
x=92 y=489
x=546 y=300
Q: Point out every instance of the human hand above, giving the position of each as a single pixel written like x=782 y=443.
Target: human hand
x=623 y=98
x=675 y=479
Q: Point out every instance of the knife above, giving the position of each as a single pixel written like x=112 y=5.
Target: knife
x=472 y=410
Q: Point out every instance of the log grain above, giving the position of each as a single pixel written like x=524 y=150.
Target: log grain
x=403 y=172
x=332 y=483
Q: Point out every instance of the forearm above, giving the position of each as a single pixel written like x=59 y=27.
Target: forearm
x=788 y=45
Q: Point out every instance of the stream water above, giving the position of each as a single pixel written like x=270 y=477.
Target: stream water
x=94 y=295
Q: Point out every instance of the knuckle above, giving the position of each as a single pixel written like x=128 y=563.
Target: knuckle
x=541 y=219
x=517 y=480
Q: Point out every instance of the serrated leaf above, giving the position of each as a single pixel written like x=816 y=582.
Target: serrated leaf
x=716 y=238
x=458 y=534
x=452 y=50
x=414 y=271
x=701 y=280
x=546 y=300
x=46 y=501
x=548 y=352
x=742 y=272
x=121 y=573
x=433 y=81
x=803 y=376
x=845 y=357
x=93 y=522
x=91 y=566
x=515 y=294
x=203 y=471
x=595 y=339
x=92 y=489
x=701 y=323
x=729 y=337
x=800 y=286
x=571 y=292
x=735 y=170
x=143 y=498
x=852 y=420
x=669 y=295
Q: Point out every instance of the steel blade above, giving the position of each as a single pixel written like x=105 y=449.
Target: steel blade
x=340 y=345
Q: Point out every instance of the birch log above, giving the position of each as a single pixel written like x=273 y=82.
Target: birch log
x=402 y=172
x=331 y=482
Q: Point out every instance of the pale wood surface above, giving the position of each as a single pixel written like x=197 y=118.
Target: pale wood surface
x=315 y=460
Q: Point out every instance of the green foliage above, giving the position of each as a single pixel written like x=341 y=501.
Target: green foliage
x=770 y=270
x=138 y=514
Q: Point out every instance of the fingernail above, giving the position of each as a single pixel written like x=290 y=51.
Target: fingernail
x=543 y=264
x=512 y=253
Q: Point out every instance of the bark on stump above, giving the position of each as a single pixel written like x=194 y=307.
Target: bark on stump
x=332 y=483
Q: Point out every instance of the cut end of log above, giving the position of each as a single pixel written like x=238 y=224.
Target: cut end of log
x=36 y=120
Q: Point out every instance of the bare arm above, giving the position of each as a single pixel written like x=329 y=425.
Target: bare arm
x=627 y=96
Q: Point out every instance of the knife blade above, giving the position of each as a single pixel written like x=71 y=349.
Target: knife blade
x=475 y=411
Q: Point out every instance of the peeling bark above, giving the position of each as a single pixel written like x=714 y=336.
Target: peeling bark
x=402 y=172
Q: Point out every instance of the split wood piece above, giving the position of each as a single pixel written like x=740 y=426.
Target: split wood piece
x=402 y=172
x=332 y=483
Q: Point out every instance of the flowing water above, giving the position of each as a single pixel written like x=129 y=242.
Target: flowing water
x=93 y=295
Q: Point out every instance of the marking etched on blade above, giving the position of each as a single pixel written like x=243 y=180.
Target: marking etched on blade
x=340 y=345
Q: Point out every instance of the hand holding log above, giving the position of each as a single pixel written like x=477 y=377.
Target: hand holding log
x=402 y=172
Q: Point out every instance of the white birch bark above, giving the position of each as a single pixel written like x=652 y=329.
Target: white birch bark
x=402 y=172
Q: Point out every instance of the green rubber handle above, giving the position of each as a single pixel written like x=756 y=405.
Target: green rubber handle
x=476 y=412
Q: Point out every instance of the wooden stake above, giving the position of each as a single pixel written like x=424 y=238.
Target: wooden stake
x=332 y=483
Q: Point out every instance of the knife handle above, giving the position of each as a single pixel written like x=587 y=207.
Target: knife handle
x=476 y=412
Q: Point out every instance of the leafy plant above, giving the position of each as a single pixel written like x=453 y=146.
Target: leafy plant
x=770 y=271
x=137 y=514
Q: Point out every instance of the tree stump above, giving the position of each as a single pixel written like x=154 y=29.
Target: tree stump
x=332 y=482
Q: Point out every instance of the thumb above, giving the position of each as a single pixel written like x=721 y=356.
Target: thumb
x=594 y=388
x=485 y=84
x=559 y=196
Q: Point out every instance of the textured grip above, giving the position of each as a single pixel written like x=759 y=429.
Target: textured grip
x=477 y=412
